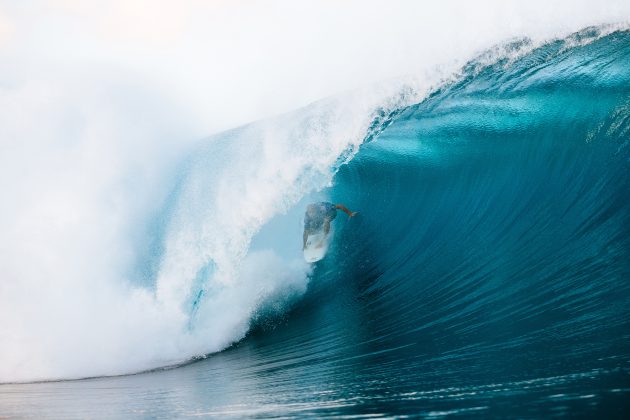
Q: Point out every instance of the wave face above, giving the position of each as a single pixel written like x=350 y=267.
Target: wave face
x=492 y=257
x=486 y=274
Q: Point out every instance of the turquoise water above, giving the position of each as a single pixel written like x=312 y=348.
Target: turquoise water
x=487 y=274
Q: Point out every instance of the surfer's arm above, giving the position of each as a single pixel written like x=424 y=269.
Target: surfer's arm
x=345 y=210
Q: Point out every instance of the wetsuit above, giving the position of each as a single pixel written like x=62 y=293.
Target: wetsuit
x=316 y=215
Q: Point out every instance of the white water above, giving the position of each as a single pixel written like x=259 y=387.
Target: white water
x=102 y=105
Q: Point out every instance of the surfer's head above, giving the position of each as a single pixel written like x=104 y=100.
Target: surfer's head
x=312 y=210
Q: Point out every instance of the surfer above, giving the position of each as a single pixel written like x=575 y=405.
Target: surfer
x=320 y=215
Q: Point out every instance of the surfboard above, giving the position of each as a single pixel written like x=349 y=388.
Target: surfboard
x=316 y=246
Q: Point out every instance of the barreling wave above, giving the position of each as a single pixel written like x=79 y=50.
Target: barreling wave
x=490 y=256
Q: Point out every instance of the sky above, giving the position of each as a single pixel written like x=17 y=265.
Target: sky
x=225 y=63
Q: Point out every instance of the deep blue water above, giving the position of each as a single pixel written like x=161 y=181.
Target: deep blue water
x=487 y=274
